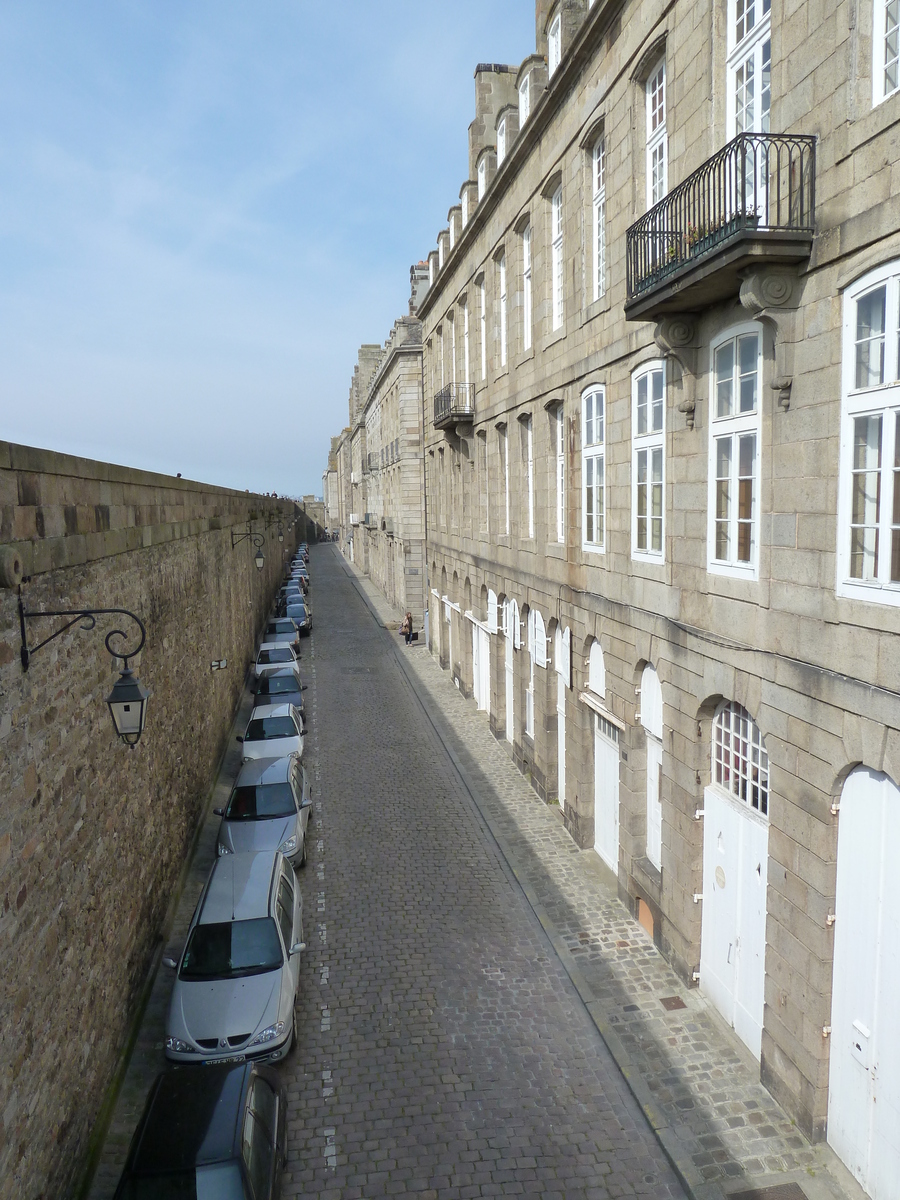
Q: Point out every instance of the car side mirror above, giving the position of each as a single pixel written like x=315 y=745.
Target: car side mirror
x=219 y=812
x=240 y=739
x=305 y=803
x=169 y=962
x=298 y=947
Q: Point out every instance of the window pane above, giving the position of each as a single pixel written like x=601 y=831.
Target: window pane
x=657 y=414
x=748 y=352
x=765 y=91
x=725 y=380
x=895 y=519
x=891 y=47
x=656 y=500
x=642 y=404
x=870 y=338
x=588 y=420
x=746 y=496
x=641 y=499
x=723 y=498
x=865 y=497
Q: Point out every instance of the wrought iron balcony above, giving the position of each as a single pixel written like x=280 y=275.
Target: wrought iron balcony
x=455 y=402
x=752 y=203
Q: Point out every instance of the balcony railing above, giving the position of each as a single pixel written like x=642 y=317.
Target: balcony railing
x=454 y=402
x=759 y=186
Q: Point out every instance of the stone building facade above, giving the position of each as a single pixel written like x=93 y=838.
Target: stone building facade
x=662 y=417
x=93 y=836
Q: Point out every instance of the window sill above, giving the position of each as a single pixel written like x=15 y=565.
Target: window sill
x=853 y=134
x=726 y=571
x=556 y=335
x=525 y=356
x=595 y=308
x=869 y=593
x=557 y=550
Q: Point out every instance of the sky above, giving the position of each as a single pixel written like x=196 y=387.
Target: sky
x=207 y=206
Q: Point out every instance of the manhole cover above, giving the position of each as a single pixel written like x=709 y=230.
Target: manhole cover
x=670 y=1003
x=778 y=1191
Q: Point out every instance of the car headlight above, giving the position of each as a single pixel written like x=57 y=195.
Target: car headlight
x=268 y=1034
x=222 y=849
x=178 y=1046
x=289 y=845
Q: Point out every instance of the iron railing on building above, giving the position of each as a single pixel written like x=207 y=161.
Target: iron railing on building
x=759 y=184
x=454 y=402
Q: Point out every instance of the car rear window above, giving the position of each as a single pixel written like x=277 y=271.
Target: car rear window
x=281 y=654
x=264 y=728
x=232 y=949
x=257 y=803
x=277 y=685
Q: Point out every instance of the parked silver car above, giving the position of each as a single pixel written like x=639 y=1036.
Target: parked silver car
x=271 y=656
x=273 y=731
x=269 y=809
x=233 y=997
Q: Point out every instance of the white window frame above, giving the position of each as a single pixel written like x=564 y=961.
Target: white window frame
x=524 y=100
x=883 y=54
x=440 y=250
x=648 y=450
x=556 y=257
x=878 y=398
x=503 y=445
x=593 y=463
x=527 y=312
x=657 y=148
x=464 y=204
x=452 y=324
x=598 y=179
x=482 y=330
x=554 y=45
x=558 y=419
x=464 y=307
x=735 y=428
x=502 y=316
x=651 y=716
x=501 y=140
x=749 y=49
x=528 y=455
x=482 y=178
x=740 y=761
x=483 y=483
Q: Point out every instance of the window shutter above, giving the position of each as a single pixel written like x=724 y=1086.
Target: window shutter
x=492 y=612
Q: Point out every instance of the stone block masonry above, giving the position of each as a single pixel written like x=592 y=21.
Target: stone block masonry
x=93 y=836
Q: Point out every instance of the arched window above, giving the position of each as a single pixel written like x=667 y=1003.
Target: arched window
x=597 y=670
x=740 y=764
x=492 y=611
x=562 y=654
x=537 y=638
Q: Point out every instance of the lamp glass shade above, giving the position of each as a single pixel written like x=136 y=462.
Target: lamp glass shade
x=259 y=560
x=128 y=707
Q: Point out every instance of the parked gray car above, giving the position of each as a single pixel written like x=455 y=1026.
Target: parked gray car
x=269 y=809
x=233 y=997
x=274 y=730
x=280 y=687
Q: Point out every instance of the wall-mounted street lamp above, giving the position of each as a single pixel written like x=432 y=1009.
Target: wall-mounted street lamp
x=128 y=699
x=280 y=532
x=257 y=539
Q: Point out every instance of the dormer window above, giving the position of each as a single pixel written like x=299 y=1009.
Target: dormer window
x=501 y=141
x=482 y=178
x=554 y=43
x=465 y=207
x=524 y=100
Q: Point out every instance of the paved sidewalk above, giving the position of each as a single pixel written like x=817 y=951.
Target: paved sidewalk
x=696 y=1082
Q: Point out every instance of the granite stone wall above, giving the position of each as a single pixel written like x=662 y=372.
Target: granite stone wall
x=93 y=835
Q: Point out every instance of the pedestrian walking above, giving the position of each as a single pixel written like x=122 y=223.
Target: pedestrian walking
x=407 y=627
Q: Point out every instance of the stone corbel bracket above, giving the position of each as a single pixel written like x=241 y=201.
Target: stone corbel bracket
x=676 y=338
x=464 y=433
x=773 y=296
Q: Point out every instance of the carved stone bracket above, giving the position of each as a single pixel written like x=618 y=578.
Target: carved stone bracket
x=676 y=337
x=772 y=296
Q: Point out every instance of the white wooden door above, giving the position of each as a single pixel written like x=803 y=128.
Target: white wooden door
x=733 y=930
x=476 y=666
x=510 y=707
x=561 y=740
x=481 y=667
x=654 y=801
x=864 y=1079
x=606 y=791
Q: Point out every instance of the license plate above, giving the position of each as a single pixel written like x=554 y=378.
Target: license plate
x=211 y=1062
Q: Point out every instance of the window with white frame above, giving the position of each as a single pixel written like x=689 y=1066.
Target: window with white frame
x=556 y=256
x=501 y=141
x=501 y=269
x=593 y=446
x=554 y=43
x=657 y=151
x=481 y=443
x=527 y=317
x=524 y=100
x=452 y=230
x=440 y=252
x=464 y=203
x=869 y=505
x=503 y=450
x=452 y=324
x=440 y=353
x=537 y=657
x=598 y=177
x=464 y=307
x=736 y=378
x=482 y=327
x=482 y=178
x=740 y=763
x=528 y=462
x=886 y=49
x=749 y=66
x=648 y=459
x=558 y=427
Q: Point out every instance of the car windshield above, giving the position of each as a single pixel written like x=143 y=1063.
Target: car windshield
x=280 y=627
x=281 y=654
x=232 y=949
x=257 y=803
x=264 y=728
x=277 y=685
